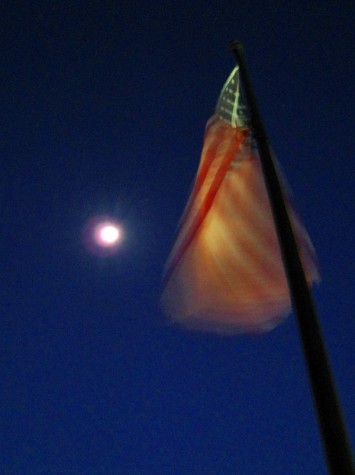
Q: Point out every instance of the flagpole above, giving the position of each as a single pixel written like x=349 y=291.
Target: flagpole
x=332 y=427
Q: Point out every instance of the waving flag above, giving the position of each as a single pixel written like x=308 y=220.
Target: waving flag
x=225 y=273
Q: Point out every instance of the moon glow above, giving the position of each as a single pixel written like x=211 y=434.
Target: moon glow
x=103 y=236
x=107 y=234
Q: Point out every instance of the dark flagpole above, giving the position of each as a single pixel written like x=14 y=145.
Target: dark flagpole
x=332 y=427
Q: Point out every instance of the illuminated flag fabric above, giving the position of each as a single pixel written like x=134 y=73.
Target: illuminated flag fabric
x=225 y=273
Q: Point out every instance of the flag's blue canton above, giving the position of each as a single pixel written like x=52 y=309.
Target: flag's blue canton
x=231 y=108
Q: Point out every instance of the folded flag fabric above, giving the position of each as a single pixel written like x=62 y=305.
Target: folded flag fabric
x=225 y=272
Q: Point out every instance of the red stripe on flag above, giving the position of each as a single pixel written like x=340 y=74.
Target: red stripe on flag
x=233 y=148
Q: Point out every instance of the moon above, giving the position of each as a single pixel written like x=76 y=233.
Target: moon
x=103 y=235
x=107 y=234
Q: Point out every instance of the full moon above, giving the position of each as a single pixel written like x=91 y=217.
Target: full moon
x=107 y=234
x=103 y=235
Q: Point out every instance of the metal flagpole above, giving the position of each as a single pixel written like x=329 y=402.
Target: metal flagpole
x=332 y=427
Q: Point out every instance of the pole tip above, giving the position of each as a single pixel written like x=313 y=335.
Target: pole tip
x=236 y=45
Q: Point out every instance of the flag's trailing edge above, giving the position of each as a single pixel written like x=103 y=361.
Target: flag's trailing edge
x=225 y=272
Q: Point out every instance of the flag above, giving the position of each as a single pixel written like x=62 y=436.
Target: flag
x=225 y=272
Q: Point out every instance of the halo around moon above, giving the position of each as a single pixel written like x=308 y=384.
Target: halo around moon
x=103 y=235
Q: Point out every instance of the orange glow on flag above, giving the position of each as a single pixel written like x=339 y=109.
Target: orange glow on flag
x=225 y=273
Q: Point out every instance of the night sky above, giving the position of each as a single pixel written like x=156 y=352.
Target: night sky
x=103 y=109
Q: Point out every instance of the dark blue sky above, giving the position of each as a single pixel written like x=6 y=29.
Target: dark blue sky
x=103 y=108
